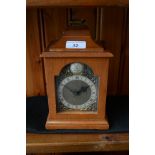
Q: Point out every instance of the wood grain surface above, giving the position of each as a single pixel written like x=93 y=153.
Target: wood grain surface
x=112 y=30
x=34 y=66
x=56 y=143
x=76 y=2
x=126 y=152
x=54 y=23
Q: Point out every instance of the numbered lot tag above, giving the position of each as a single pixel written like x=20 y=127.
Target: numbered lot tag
x=75 y=44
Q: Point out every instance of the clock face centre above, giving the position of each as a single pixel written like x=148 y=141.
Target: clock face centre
x=76 y=92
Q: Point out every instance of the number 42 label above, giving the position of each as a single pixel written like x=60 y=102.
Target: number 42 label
x=75 y=44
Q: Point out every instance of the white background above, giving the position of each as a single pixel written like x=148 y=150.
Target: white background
x=13 y=77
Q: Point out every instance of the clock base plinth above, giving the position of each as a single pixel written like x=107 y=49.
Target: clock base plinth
x=60 y=124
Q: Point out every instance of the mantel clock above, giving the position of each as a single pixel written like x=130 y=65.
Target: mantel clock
x=76 y=71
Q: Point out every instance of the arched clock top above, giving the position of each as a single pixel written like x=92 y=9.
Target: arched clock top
x=76 y=68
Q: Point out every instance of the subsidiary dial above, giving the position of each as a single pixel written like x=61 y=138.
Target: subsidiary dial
x=76 y=68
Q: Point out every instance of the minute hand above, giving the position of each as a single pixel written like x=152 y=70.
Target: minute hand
x=69 y=89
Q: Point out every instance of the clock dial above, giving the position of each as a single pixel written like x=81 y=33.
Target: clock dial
x=77 y=88
x=77 y=92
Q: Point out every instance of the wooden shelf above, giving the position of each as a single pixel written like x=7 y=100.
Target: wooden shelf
x=54 y=143
x=70 y=3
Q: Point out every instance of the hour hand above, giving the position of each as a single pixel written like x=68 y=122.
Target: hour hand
x=83 y=89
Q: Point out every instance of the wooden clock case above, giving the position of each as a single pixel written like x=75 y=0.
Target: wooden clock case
x=56 y=56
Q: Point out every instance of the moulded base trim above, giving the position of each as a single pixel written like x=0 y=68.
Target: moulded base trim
x=87 y=124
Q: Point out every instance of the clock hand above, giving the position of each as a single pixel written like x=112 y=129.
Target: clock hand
x=74 y=92
x=83 y=89
x=69 y=88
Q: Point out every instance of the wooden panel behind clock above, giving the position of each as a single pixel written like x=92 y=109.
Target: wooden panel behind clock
x=76 y=83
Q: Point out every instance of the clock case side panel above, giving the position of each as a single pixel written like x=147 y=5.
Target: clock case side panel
x=77 y=120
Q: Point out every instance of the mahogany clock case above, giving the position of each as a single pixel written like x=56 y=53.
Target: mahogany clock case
x=55 y=58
